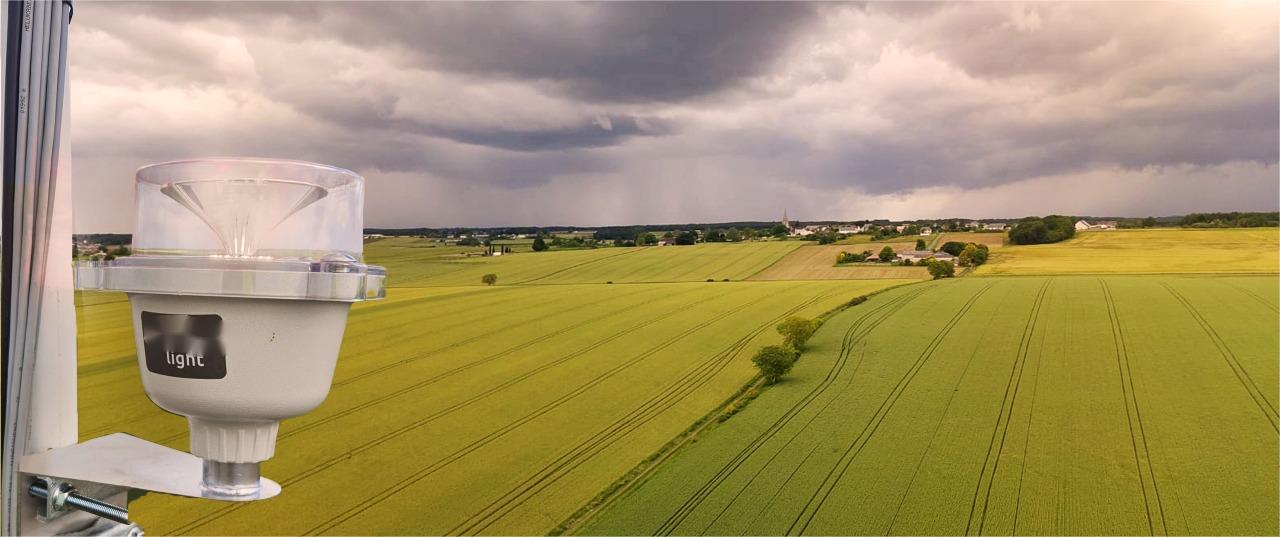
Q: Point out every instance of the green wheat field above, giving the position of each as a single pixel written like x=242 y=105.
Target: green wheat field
x=1107 y=385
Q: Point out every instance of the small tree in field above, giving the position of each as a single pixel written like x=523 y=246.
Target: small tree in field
x=774 y=361
x=920 y=245
x=887 y=254
x=489 y=279
x=539 y=244
x=942 y=269
x=796 y=331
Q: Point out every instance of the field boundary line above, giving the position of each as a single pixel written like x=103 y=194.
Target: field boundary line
x=846 y=348
x=648 y=410
x=775 y=262
x=1246 y=381
x=404 y=429
x=644 y=470
x=462 y=452
x=1133 y=413
x=851 y=453
x=851 y=337
x=837 y=366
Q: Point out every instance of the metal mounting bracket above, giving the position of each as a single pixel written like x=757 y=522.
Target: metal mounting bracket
x=126 y=461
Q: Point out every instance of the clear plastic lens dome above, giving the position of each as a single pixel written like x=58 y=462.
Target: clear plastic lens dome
x=247 y=228
x=243 y=208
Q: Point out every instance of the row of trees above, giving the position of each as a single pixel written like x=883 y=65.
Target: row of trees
x=967 y=253
x=1037 y=230
x=1232 y=219
x=774 y=361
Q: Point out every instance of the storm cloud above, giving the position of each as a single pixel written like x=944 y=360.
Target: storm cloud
x=618 y=113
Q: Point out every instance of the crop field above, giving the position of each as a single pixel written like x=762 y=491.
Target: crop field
x=410 y=266
x=1154 y=251
x=855 y=239
x=474 y=409
x=992 y=240
x=1115 y=405
x=818 y=262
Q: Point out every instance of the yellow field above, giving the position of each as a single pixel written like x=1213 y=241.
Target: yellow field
x=992 y=240
x=420 y=263
x=819 y=263
x=471 y=409
x=1154 y=251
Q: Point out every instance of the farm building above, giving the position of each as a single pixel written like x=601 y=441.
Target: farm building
x=1082 y=225
x=667 y=241
x=920 y=255
x=849 y=230
x=994 y=226
x=926 y=231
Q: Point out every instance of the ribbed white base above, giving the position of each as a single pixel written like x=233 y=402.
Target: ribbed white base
x=233 y=441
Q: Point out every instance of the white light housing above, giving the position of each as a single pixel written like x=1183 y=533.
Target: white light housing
x=242 y=276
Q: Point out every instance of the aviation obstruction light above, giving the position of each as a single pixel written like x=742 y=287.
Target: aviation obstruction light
x=242 y=276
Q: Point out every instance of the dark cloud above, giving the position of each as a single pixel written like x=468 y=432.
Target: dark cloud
x=616 y=112
x=627 y=51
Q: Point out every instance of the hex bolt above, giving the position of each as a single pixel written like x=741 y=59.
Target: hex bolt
x=66 y=496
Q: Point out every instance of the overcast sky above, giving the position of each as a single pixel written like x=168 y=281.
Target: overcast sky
x=598 y=114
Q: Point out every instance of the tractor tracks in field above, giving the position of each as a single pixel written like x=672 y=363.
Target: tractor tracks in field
x=1133 y=412
x=1254 y=296
x=422 y=473
x=1267 y=407
x=579 y=265
x=999 y=433
x=414 y=425
x=455 y=370
x=837 y=472
x=655 y=406
x=387 y=342
x=852 y=335
x=933 y=437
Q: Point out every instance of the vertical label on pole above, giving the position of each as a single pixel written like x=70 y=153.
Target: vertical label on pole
x=186 y=346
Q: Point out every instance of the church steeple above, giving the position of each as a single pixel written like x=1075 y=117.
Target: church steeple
x=786 y=222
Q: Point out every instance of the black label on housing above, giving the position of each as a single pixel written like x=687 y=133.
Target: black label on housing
x=187 y=346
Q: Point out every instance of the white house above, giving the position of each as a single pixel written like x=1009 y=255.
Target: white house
x=921 y=255
x=1102 y=225
x=926 y=231
x=994 y=226
x=803 y=232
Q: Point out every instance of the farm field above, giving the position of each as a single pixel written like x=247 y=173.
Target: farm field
x=474 y=409
x=1153 y=251
x=1115 y=405
x=408 y=265
x=992 y=240
x=818 y=262
x=905 y=242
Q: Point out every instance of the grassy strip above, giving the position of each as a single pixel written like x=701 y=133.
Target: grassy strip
x=721 y=413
